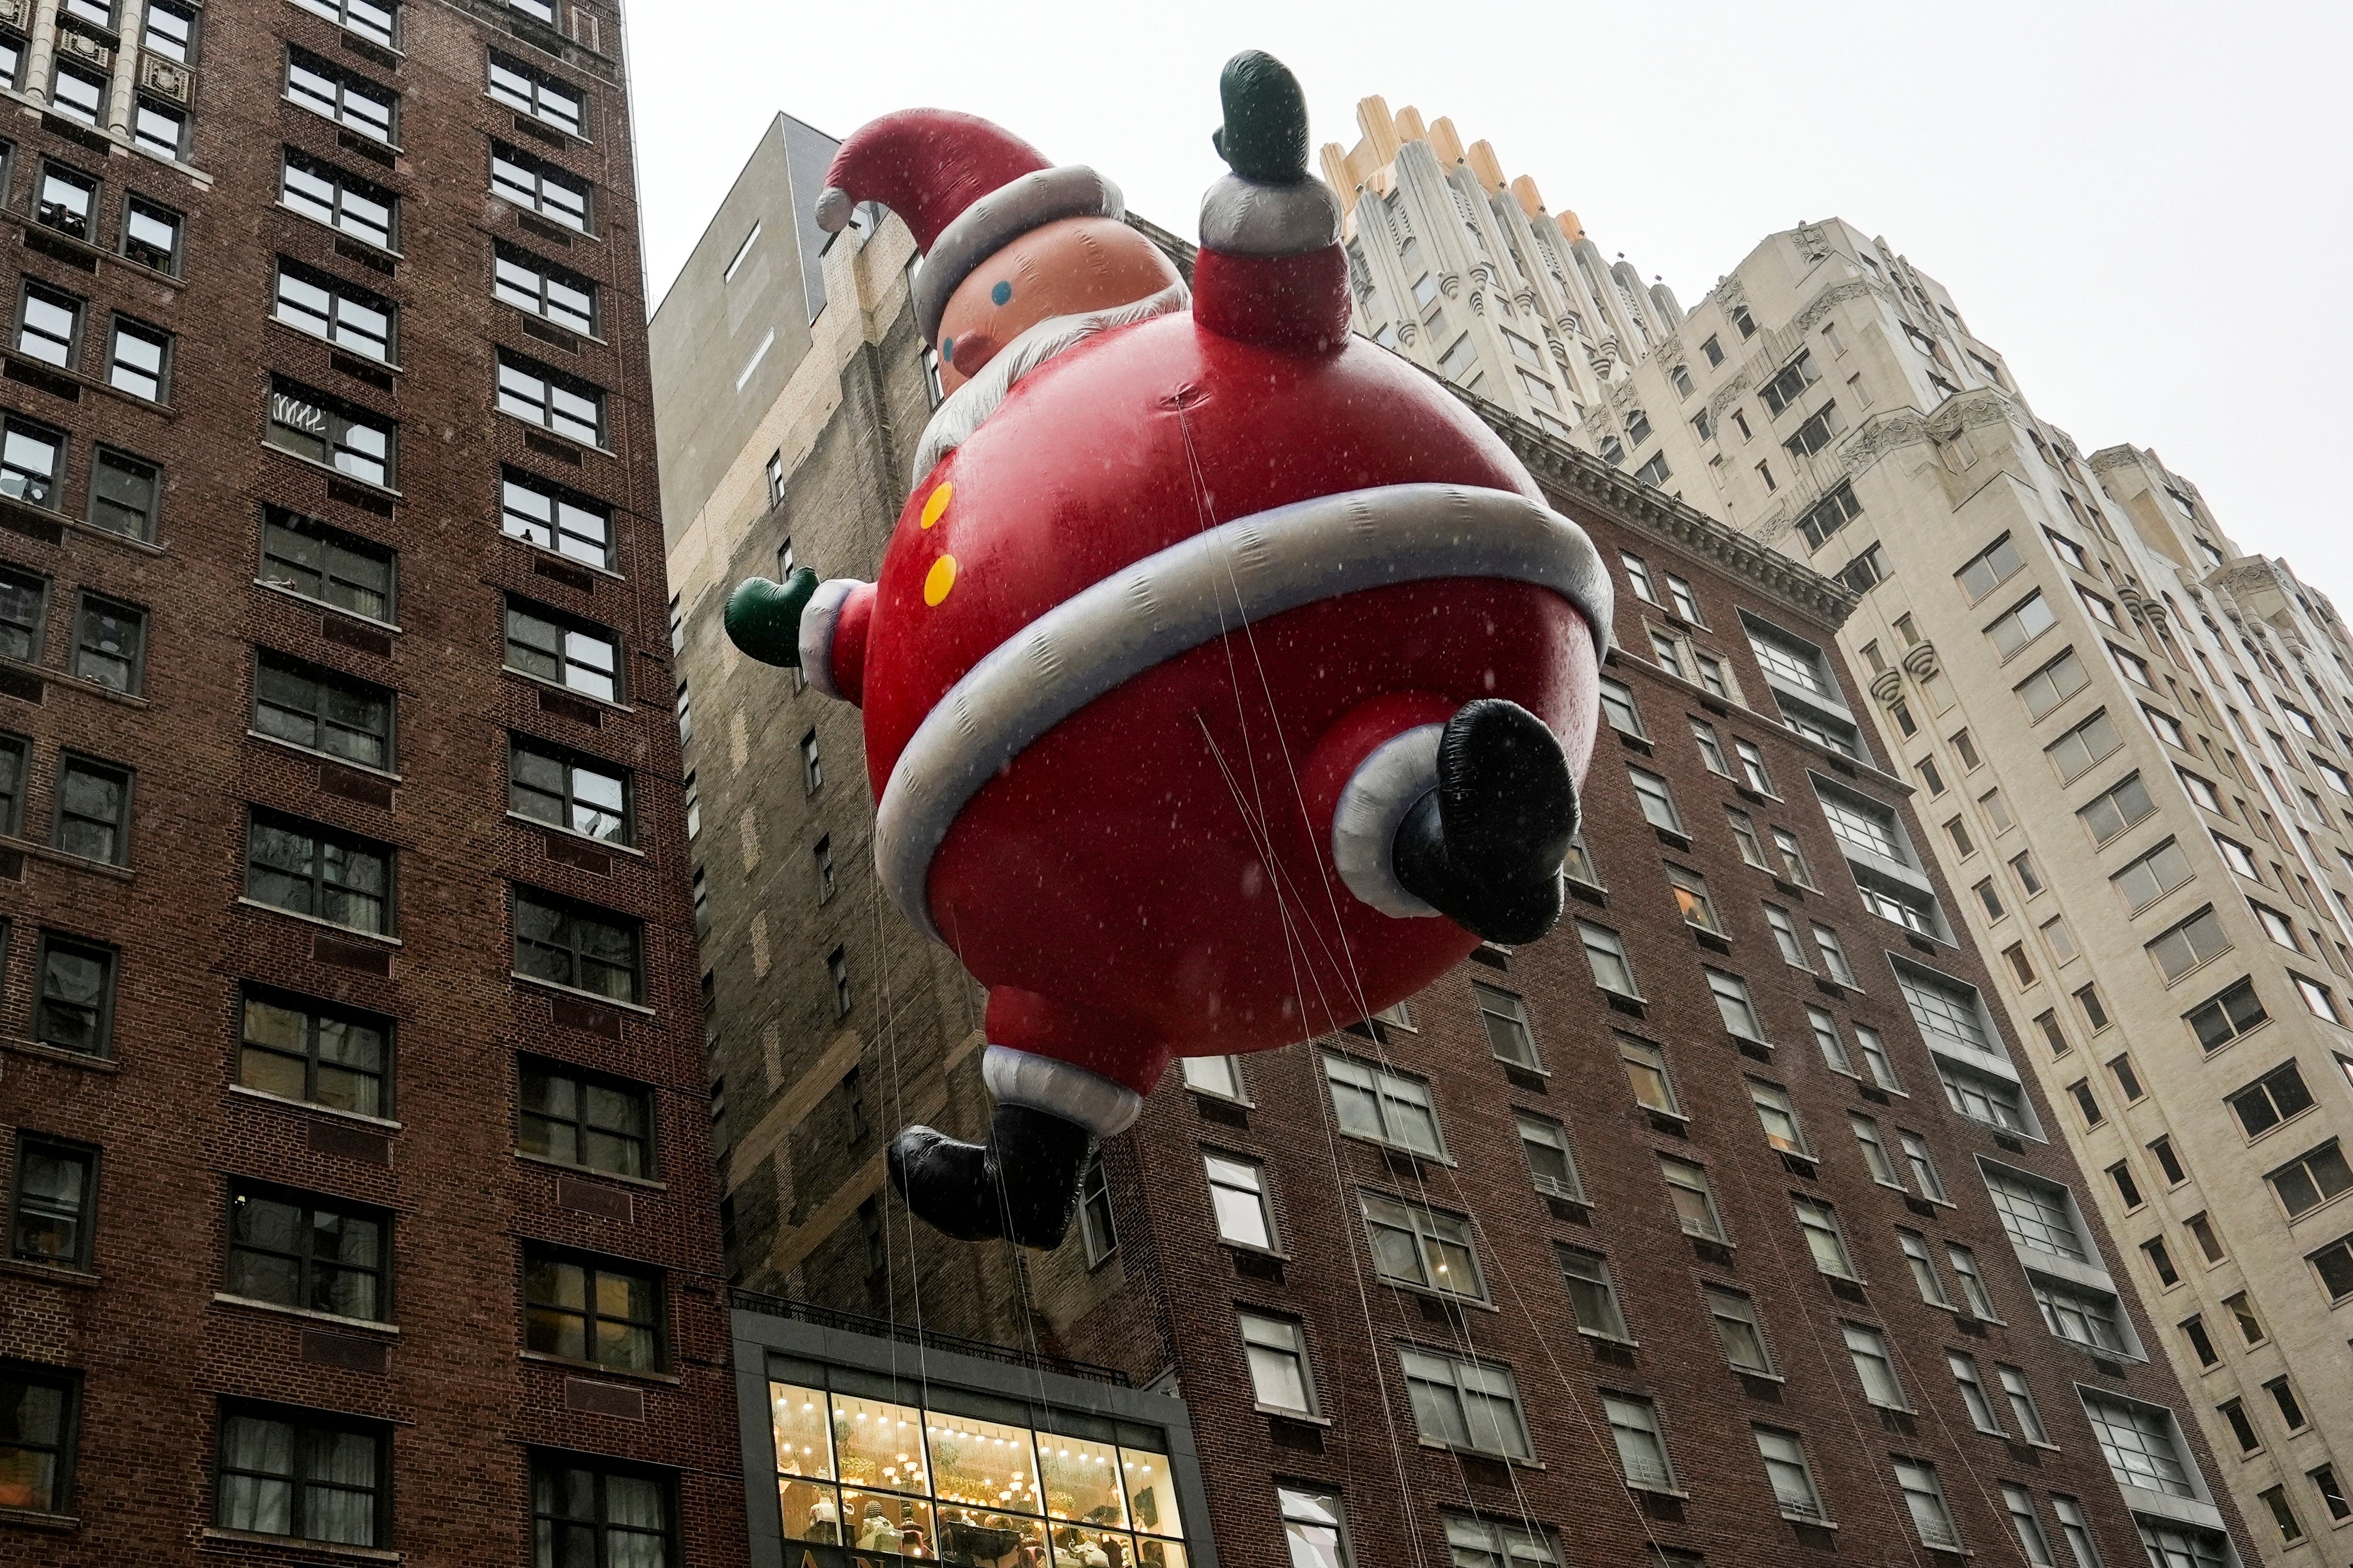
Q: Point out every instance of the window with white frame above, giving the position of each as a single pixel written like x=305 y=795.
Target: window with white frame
x=1875 y=1366
x=2141 y=1443
x=1792 y=1477
x=1466 y=1403
x=1657 y=803
x=1506 y=1019
x=1612 y=969
x=544 y=97
x=1275 y=1349
x=1238 y=1197
x=1552 y=1165
x=1824 y=1239
x=1924 y=1495
x=366 y=108
x=1472 y=1542
x=1423 y=1247
x=2037 y=1214
x=1641 y=1447
x=1733 y=1006
x=1949 y=1012
x=1219 y=1076
x=1388 y=1108
x=1693 y=1199
x=1592 y=1294
x=1738 y=1332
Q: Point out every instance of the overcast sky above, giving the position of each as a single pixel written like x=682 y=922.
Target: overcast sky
x=2145 y=208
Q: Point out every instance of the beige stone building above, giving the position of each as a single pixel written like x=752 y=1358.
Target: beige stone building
x=2137 y=743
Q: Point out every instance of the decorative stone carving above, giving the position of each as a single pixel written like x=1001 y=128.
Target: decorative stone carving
x=1724 y=396
x=1888 y=685
x=2109 y=458
x=1829 y=300
x=1449 y=284
x=1875 y=437
x=1920 y=659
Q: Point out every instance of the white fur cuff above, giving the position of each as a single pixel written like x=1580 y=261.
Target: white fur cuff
x=1372 y=808
x=1017 y=1077
x=1243 y=217
x=819 y=618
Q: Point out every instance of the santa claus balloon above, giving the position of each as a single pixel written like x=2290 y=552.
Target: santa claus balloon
x=1225 y=681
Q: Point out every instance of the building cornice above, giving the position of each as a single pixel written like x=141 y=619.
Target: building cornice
x=1565 y=470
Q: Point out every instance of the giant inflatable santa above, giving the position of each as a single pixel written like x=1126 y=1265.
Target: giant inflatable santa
x=1225 y=679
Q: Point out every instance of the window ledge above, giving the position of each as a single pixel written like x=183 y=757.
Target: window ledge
x=333 y=609
x=316 y=1110
x=353 y=932
x=596 y=996
x=329 y=468
x=308 y=336
x=1609 y=1339
x=644 y=1183
x=572 y=441
x=1653 y=1490
x=1529 y=1067
x=574 y=142
x=1812 y=1522
x=213 y=1538
x=1431 y=1293
x=541 y=682
x=392 y=147
x=630 y=849
x=1489 y=1454
x=74 y=683
x=1301 y=1416
x=33 y=1519
x=393 y=255
x=59 y=857
x=364 y=1325
x=82 y=525
x=2275 y=1127
x=285 y=744
x=601 y=341
x=605 y=572
x=55 y=1274
x=58 y=1054
x=541 y=1358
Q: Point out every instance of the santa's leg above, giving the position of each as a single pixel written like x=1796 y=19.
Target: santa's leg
x=1050 y=1112
x=1470 y=819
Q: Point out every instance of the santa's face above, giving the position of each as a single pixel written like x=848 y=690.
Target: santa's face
x=1062 y=269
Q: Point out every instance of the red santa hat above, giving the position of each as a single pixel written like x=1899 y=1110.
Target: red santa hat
x=964 y=186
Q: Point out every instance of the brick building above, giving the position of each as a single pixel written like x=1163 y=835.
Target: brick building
x=1720 y=1223
x=352 y=1107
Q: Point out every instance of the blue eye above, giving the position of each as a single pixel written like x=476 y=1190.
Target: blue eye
x=1001 y=293
x=947 y=350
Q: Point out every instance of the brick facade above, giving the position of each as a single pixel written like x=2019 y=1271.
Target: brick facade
x=461 y=1406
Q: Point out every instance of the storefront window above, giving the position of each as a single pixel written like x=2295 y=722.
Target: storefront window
x=930 y=1486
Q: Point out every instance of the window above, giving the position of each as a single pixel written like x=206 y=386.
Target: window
x=304 y=556
x=1646 y=1073
x=598 y=1512
x=2119 y=807
x=1552 y=1164
x=837 y=971
x=1982 y=1096
x=2164 y=727
x=49 y=325
x=2037 y=1214
x=1778 y=1115
x=306 y=868
x=551 y=399
x=1732 y=1004
x=1875 y=1056
x=123 y=490
x=1657 y=804
x=110 y=644
x=1238 y=1197
x=1655 y=472
x=2155 y=874
x=1612 y=969
x=1793 y=859
x=52 y=1219
x=1465 y=1404
x=2334 y=1265
x=2181 y=1546
x=1829 y=515
x=1792 y=1480
x=1785 y=937
x=2088 y=999
x=2271 y=1100
x=315 y=1254
x=543 y=97
x=1752 y=766
x=1642 y=1450
x=1874 y=1366
x=1949 y=1012
x=2089 y=1318
x=1789 y=383
x=1592 y=1295
x=1422 y=1247
x=77 y=94
x=1275 y=1350
x=2315 y=998
x=315 y=1052
x=138 y=360
x=1924 y=1497
x=1744 y=835
x=2311 y=1179
x=1819 y=1223
x=1787 y=660
x=352 y=101
x=2052 y=1035
x=159 y=127
x=2021 y=1503
x=553 y=518
x=1694 y=1201
x=372 y=19
x=343 y=314
x=1686 y=602
x=1923 y=1165
x=545 y=289
x=23 y=609
x=562 y=651
x=39 y=1406
x=2290 y=1410
x=1485 y=1543
x=67 y=200
x=1988 y=897
x=1690 y=889
x=2283 y=1514
x=307 y=1475
x=570 y=791
x=1385 y=1107
x=348 y=438
x=1667 y=651
x=1737 y=1331
x=2133 y=667
x=2140 y=1444
x=1995 y=564
x=93 y=810
x=576 y=945
x=1875 y=1149
x=1973 y=1286
x=1973 y=1395
x=1815 y=434
x=1915 y=1248
x=1714 y=351
x=358 y=207
x=2187 y=945
x=2200 y=1343
x=1834 y=962
x=591 y=1309
x=1506 y=1019
x=2324 y=1481
x=320 y=710
x=1618 y=707
x=1638 y=574
x=74 y=1007
x=2051 y=685
x=1220 y=1076
x=541 y=187
x=1314 y=1528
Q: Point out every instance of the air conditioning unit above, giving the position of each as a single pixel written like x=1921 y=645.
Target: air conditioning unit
x=74 y=42
x=163 y=78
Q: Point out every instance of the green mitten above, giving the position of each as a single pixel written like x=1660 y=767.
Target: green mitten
x=764 y=616
x=1265 y=134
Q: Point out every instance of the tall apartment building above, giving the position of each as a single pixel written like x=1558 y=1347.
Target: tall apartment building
x=352 y=1107
x=2135 y=743
x=1726 y=1215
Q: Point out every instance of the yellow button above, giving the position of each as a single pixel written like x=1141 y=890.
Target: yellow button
x=939 y=579
x=935 y=504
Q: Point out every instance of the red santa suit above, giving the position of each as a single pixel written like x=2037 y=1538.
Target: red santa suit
x=1159 y=657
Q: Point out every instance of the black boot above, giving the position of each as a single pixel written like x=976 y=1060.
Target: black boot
x=1022 y=1185
x=1484 y=847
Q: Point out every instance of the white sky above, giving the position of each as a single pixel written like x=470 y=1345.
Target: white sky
x=2135 y=203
